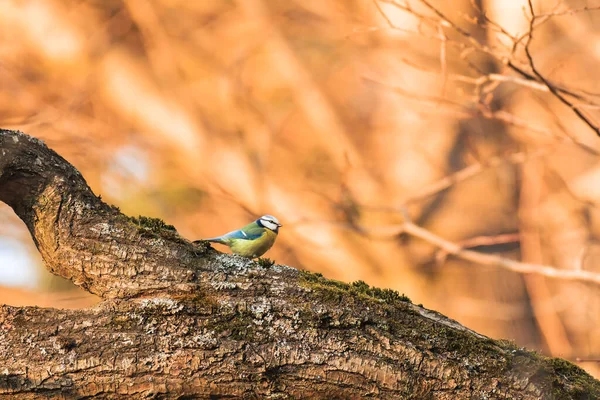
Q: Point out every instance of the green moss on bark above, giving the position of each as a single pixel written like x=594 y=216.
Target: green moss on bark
x=155 y=225
x=331 y=288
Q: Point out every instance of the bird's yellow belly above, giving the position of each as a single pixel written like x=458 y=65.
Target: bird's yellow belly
x=254 y=248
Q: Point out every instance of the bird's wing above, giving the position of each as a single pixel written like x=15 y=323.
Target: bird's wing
x=246 y=233
x=251 y=231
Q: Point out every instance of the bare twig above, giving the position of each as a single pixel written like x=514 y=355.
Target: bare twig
x=472 y=170
x=584 y=360
x=443 y=59
x=454 y=249
x=460 y=110
x=505 y=59
x=571 y=11
x=482 y=80
x=477 y=241
x=588 y=121
x=497 y=27
x=383 y=14
x=409 y=228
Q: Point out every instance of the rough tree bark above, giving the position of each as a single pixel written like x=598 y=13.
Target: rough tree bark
x=180 y=321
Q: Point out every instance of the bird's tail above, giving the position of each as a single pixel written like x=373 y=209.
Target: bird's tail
x=218 y=239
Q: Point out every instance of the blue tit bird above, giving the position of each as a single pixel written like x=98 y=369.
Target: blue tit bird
x=253 y=240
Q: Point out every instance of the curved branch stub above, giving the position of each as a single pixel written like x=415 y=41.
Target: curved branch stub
x=79 y=236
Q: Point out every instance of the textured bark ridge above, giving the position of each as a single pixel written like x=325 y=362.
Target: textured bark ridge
x=180 y=321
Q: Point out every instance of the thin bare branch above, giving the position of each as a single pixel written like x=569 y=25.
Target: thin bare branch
x=443 y=59
x=588 y=121
x=491 y=260
x=472 y=170
x=506 y=59
x=454 y=249
x=571 y=11
x=477 y=241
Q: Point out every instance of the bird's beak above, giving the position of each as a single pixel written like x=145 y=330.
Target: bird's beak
x=279 y=225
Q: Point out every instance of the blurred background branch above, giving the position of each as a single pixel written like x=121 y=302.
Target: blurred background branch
x=210 y=113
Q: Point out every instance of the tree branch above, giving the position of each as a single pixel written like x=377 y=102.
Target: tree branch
x=451 y=248
x=184 y=322
x=80 y=237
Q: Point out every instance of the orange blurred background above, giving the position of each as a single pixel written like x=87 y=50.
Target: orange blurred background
x=331 y=115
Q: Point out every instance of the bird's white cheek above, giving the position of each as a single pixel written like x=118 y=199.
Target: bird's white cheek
x=270 y=225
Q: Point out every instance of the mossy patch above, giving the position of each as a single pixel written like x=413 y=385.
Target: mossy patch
x=387 y=295
x=153 y=224
x=266 y=263
x=201 y=248
x=111 y=206
x=360 y=288
x=462 y=342
x=155 y=227
x=568 y=381
x=557 y=376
